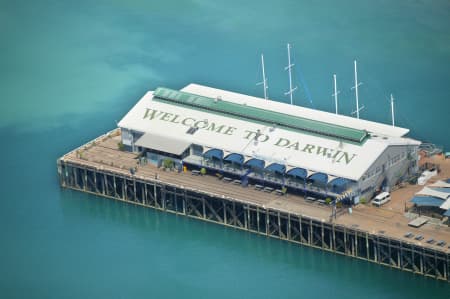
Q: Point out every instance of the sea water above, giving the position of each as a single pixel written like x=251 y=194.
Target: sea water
x=69 y=70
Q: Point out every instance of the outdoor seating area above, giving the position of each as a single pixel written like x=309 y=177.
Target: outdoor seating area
x=232 y=180
x=275 y=174
x=258 y=187
x=273 y=178
x=279 y=192
x=266 y=189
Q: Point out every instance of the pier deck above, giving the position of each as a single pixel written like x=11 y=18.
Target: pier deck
x=387 y=222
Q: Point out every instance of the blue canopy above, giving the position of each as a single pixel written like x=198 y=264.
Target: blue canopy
x=234 y=158
x=319 y=177
x=275 y=167
x=447 y=213
x=339 y=185
x=214 y=153
x=427 y=201
x=255 y=163
x=339 y=182
x=298 y=172
x=448 y=181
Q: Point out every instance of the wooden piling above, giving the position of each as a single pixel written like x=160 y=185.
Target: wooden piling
x=278 y=224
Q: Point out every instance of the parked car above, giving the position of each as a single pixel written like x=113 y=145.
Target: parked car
x=381 y=199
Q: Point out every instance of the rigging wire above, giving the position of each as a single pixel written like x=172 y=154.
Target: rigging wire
x=304 y=86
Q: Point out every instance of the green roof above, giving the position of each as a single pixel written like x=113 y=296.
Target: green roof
x=269 y=117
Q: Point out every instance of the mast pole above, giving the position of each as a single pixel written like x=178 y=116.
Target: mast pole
x=356 y=91
x=264 y=77
x=392 y=110
x=289 y=69
x=335 y=93
x=264 y=81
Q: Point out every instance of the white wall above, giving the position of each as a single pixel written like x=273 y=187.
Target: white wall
x=393 y=165
x=127 y=137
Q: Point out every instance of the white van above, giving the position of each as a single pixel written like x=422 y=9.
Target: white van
x=381 y=199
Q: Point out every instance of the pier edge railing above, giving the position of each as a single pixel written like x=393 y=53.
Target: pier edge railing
x=300 y=229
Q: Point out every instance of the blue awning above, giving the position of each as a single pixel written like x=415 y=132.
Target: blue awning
x=448 y=181
x=447 y=213
x=214 y=153
x=255 y=163
x=298 y=172
x=339 y=182
x=319 y=177
x=275 y=167
x=235 y=158
x=427 y=201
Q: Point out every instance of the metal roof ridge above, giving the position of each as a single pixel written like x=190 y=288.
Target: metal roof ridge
x=219 y=105
x=344 y=120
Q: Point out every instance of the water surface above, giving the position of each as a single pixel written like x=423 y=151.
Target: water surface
x=70 y=70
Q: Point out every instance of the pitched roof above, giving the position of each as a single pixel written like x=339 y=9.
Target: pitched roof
x=246 y=126
x=426 y=191
x=312 y=114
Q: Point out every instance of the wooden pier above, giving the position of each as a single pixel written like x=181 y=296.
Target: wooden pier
x=371 y=234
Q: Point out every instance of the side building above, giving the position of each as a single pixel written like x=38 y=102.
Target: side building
x=257 y=141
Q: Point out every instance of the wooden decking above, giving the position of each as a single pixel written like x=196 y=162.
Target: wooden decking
x=389 y=220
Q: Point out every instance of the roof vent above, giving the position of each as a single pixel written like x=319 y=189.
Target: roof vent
x=192 y=130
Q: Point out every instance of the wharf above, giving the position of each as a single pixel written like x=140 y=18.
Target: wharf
x=369 y=233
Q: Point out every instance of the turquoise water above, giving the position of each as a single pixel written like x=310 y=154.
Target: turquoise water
x=69 y=70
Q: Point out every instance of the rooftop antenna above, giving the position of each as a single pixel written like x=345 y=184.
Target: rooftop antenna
x=392 y=110
x=289 y=69
x=264 y=81
x=335 y=94
x=356 y=93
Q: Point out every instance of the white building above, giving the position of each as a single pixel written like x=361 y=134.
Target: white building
x=268 y=142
